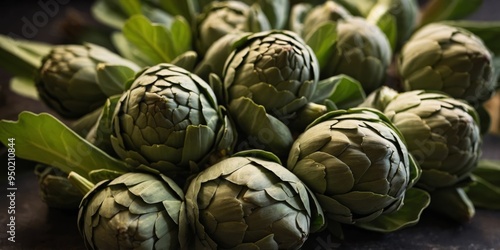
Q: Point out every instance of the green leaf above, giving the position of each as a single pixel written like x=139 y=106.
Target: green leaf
x=24 y=86
x=438 y=10
x=112 y=78
x=153 y=40
x=415 y=202
x=109 y=15
x=131 y=7
x=488 y=170
x=21 y=58
x=99 y=175
x=129 y=51
x=257 y=20
x=276 y=12
x=483 y=193
x=454 y=203
x=322 y=41
x=488 y=31
x=342 y=91
x=181 y=36
x=184 y=8
x=388 y=24
x=43 y=138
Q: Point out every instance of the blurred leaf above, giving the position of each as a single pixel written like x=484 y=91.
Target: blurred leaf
x=43 y=138
x=131 y=7
x=322 y=41
x=388 y=24
x=112 y=78
x=488 y=170
x=342 y=91
x=454 y=203
x=184 y=8
x=21 y=58
x=24 y=86
x=257 y=20
x=276 y=12
x=181 y=36
x=109 y=15
x=483 y=193
x=439 y=10
x=129 y=51
x=297 y=15
x=415 y=202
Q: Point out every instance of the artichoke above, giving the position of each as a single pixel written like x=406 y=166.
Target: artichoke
x=219 y=19
x=442 y=134
x=67 y=80
x=55 y=188
x=352 y=158
x=362 y=51
x=169 y=120
x=449 y=59
x=328 y=11
x=133 y=211
x=249 y=202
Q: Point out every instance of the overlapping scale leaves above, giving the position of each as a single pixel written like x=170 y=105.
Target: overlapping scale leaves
x=67 y=79
x=133 y=211
x=250 y=203
x=448 y=59
x=442 y=133
x=275 y=69
x=355 y=163
x=169 y=120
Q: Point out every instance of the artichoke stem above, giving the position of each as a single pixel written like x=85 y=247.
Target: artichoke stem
x=80 y=182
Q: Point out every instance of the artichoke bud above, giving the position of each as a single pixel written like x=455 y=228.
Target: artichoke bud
x=442 y=133
x=135 y=210
x=448 y=59
x=275 y=69
x=55 y=188
x=67 y=80
x=219 y=19
x=380 y=98
x=168 y=120
x=328 y=11
x=250 y=202
x=350 y=159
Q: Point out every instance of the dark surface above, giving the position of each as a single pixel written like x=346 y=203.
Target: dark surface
x=40 y=227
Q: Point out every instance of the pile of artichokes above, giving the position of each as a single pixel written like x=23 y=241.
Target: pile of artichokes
x=256 y=124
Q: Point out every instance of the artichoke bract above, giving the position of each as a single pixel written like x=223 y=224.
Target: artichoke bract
x=362 y=51
x=275 y=69
x=356 y=164
x=448 y=59
x=328 y=11
x=442 y=134
x=169 y=120
x=55 y=188
x=67 y=79
x=246 y=202
x=133 y=211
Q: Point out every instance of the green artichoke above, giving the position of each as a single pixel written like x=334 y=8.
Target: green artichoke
x=275 y=69
x=268 y=78
x=442 y=134
x=219 y=19
x=67 y=79
x=361 y=51
x=449 y=59
x=247 y=202
x=133 y=211
x=169 y=120
x=356 y=163
x=55 y=188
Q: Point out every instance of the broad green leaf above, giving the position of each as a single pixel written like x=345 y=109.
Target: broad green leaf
x=42 y=138
x=489 y=170
x=24 y=86
x=483 y=193
x=489 y=32
x=322 y=41
x=439 y=10
x=109 y=15
x=131 y=7
x=112 y=78
x=454 y=203
x=183 y=8
x=387 y=23
x=415 y=202
x=129 y=51
x=21 y=58
x=153 y=40
x=181 y=36
x=342 y=91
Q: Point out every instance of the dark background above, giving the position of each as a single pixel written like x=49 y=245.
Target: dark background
x=40 y=227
